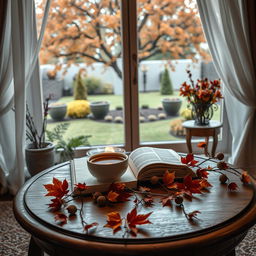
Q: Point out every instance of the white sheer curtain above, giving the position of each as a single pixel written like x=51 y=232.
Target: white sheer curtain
x=18 y=67
x=227 y=25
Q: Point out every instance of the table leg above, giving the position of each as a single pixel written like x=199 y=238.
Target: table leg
x=188 y=140
x=34 y=249
x=206 y=147
x=215 y=142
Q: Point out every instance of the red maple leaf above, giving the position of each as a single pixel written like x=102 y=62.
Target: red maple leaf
x=62 y=218
x=114 y=221
x=232 y=186
x=133 y=220
x=192 y=215
x=57 y=189
x=56 y=204
x=168 y=179
x=80 y=186
x=245 y=177
x=189 y=160
x=202 y=173
x=205 y=184
x=167 y=201
x=189 y=186
x=117 y=187
x=88 y=226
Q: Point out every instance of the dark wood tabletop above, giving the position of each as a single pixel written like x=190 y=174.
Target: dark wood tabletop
x=225 y=218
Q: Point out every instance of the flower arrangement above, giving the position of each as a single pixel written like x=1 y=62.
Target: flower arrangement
x=37 y=138
x=173 y=192
x=201 y=95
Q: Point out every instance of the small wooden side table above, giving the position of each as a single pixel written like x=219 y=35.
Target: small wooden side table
x=212 y=129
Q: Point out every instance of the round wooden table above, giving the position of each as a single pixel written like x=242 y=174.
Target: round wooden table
x=225 y=219
x=212 y=129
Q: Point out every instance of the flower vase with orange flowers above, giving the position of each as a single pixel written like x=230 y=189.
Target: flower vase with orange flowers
x=202 y=97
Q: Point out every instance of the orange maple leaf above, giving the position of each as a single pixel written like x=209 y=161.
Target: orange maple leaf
x=167 y=201
x=201 y=144
x=112 y=196
x=168 y=179
x=56 y=204
x=80 y=186
x=133 y=220
x=202 y=173
x=245 y=177
x=205 y=184
x=57 y=189
x=114 y=221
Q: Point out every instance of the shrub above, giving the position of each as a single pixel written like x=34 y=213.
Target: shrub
x=186 y=114
x=80 y=90
x=166 y=84
x=145 y=106
x=162 y=116
x=142 y=119
x=152 y=118
x=176 y=128
x=93 y=85
x=119 y=108
x=78 y=108
x=118 y=119
x=107 y=88
x=108 y=118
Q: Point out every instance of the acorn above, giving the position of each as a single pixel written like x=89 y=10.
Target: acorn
x=95 y=196
x=154 y=180
x=101 y=201
x=220 y=156
x=71 y=209
x=179 y=200
x=223 y=178
x=222 y=165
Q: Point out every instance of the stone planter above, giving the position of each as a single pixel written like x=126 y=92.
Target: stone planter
x=58 y=111
x=171 y=106
x=40 y=159
x=99 y=109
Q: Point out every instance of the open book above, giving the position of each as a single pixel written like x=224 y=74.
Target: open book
x=144 y=163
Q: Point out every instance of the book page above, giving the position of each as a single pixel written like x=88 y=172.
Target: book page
x=154 y=161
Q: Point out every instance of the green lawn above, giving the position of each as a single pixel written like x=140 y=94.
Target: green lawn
x=112 y=133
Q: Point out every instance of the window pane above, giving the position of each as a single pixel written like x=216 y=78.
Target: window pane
x=81 y=65
x=170 y=41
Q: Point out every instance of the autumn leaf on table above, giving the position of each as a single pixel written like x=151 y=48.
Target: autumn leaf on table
x=112 y=196
x=118 y=193
x=189 y=186
x=148 y=200
x=245 y=178
x=205 y=184
x=56 y=204
x=114 y=221
x=60 y=217
x=80 y=187
x=189 y=160
x=192 y=215
x=133 y=220
x=57 y=188
x=88 y=226
x=168 y=179
x=201 y=144
x=167 y=201
x=232 y=186
x=202 y=173
x=144 y=189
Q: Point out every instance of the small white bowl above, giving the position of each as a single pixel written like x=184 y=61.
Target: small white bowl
x=107 y=166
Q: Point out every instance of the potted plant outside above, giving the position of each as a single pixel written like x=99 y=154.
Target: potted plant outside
x=99 y=109
x=39 y=153
x=58 y=111
x=171 y=106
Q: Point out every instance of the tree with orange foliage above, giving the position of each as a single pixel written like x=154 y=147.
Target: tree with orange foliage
x=89 y=31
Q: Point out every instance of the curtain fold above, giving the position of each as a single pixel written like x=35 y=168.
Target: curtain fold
x=18 y=67
x=227 y=25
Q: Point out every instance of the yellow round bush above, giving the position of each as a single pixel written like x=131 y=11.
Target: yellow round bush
x=78 y=108
x=186 y=114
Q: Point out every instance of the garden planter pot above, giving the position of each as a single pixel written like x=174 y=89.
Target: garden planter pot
x=58 y=112
x=40 y=159
x=171 y=106
x=99 y=109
